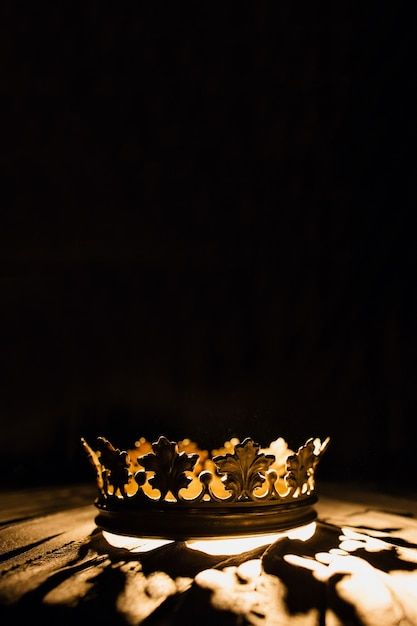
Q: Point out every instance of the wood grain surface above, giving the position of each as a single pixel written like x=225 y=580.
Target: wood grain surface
x=360 y=567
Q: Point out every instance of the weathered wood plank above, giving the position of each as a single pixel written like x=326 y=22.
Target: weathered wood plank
x=65 y=534
x=79 y=521
x=20 y=505
x=367 y=498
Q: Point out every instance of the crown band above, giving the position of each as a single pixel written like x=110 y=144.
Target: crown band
x=181 y=522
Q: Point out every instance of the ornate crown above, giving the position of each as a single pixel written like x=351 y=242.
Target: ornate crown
x=177 y=491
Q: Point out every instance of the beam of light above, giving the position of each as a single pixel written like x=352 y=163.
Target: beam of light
x=237 y=545
x=352 y=540
x=372 y=592
x=134 y=544
x=232 y=545
x=302 y=533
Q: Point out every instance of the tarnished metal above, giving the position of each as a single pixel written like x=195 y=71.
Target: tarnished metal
x=168 y=493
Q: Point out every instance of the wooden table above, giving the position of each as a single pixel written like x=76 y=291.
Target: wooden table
x=360 y=567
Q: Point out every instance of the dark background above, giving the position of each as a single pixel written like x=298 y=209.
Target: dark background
x=208 y=233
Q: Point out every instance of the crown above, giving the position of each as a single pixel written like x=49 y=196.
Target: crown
x=174 y=490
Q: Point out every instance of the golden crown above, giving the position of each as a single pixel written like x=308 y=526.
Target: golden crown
x=177 y=491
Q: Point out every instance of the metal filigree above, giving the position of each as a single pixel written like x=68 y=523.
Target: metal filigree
x=242 y=490
x=169 y=466
x=244 y=470
x=301 y=466
x=114 y=467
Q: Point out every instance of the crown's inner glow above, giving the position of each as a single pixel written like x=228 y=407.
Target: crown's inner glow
x=229 y=546
x=278 y=449
x=237 y=545
x=134 y=544
x=171 y=472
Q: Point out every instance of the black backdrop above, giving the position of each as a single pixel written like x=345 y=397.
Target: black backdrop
x=208 y=232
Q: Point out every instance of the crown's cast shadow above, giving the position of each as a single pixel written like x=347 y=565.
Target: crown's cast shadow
x=322 y=578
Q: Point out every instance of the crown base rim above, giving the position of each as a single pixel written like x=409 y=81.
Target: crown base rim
x=184 y=523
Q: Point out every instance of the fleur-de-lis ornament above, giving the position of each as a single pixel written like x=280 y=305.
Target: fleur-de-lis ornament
x=114 y=466
x=301 y=466
x=169 y=466
x=244 y=470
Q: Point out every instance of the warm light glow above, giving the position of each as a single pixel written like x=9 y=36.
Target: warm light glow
x=389 y=598
x=278 y=449
x=237 y=545
x=134 y=544
x=232 y=545
x=352 y=540
x=237 y=471
x=338 y=560
x=302 y=533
